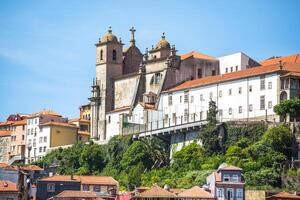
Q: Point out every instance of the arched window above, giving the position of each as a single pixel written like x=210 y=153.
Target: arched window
x=114 y=55
x=156 y=78
x=101 y=54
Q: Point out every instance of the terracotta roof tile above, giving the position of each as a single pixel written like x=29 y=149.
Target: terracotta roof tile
x=231 y=167
x=7 y=186
x=195 y=193
x=285 y=195
x=32 y=168
x=20 y=122
x=44 y=112
x=78 y=194
x=4 y=133
x=260 y=70
x=105 y=180
x=156 y=192
x=196 y=55
x=59 y=124
x=177 y=190
x=291 y=59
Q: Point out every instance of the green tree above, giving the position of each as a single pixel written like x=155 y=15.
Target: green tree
x=290 y=106
x=212 y=112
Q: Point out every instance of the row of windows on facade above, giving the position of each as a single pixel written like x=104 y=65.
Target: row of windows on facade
x=229 y=193
x=186 y=94
x=231 y=69
x=32 y=121
x=114 y=54
x=13 y=148
x=94 y=188
x=87 y=117
x=14 y=138
x=33 y=131
x=41 y=140
x=11 y=128
x=220 y=111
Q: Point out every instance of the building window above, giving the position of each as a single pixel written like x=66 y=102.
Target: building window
x=192 y=99
x=262 y=102
x=235 y=178
x=34 y=142
x=35 y=120
x=213 y=72
x=210 y=95
x=240 y=90
x=220 y=192
x=220 y=93
x=186 y=115
x=109 y=119
x=250 y=88
x=101 y=54
x=262 y=82
x=201 y=97
x=85 y=187
x=229 y=194
x=270 y=104
x=170 y=100
x=240 y=109
x=226 y=178
x=114 y=54
x=23 y=137
x=226 y=70
x=229 y=92
x=231 y=69
x=174 y=118
x=45 y=148
x=40 y=149
x=50 y=187
x=23 y=127
x=269 y=85
x=186 y=96
x=220 y=112
x=199 y=73
x=230 y=111
x=40 y=139
x=180 y=99
x=236 y=68
x=45 y=138
x=201 y=115
x=250 y=107
x=96 y=188
x=239 y=193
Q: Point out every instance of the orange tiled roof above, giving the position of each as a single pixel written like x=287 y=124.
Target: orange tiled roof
x=6 y=123
x=196 y=55
x=20 y=122
x=285 y=195
x=45 y=112
x=156 y=192
x=230 y=167
x=4 y=133
x=291 y=59
x=255 y=71
x=177 y=190
x=78 y=194
x=7 y=186
x=195 y=193
x=105 y=180
x=31 y=168
x=59 y=124
x=120 y=109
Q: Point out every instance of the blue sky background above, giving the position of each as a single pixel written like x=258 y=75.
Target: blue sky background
x=47 y=52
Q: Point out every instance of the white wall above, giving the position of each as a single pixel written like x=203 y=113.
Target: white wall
x=226 y=101
x=238 y=60
x=113 y=123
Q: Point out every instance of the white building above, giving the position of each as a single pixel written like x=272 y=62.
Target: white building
x=42 y=134
x=235 y=62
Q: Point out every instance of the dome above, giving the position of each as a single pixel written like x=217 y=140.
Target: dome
x=109 y=37
x=163 y=43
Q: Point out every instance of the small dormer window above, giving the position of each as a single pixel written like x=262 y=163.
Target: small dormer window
x=114 y=54
x=226 y=178
x=235 y=178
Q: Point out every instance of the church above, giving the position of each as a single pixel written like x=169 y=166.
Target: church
x=127 y=78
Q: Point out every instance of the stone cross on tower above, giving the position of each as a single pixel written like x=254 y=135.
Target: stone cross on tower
x=132 y=41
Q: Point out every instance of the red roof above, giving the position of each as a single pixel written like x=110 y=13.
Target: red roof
x=31 y=168
x=101 y=180
x=255 y=71
x=4 y=133
x=7 y=186
x=285 y=195
x=156 y=192
x=230 y=167
x=291 y=59
x=196 y=55
x=196 y=193
x=78 y=194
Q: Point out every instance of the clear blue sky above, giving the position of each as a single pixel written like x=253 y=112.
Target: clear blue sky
x=47 y=52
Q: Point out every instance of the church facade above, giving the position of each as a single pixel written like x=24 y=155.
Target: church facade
x=126 y=78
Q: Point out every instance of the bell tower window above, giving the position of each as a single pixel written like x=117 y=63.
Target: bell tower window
x=114 y=54
x=101 y=54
